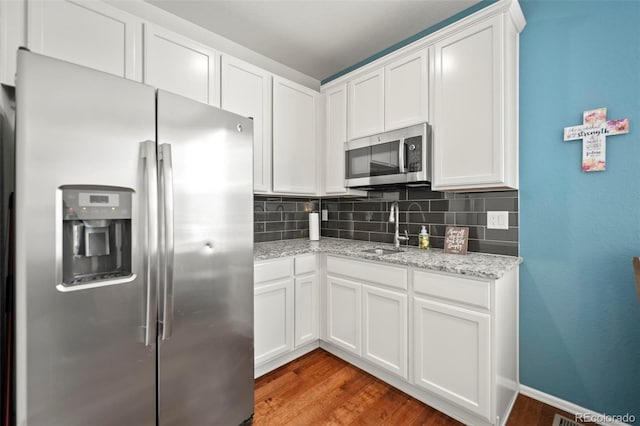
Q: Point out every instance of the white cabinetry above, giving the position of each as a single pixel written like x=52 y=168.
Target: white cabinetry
x=246 y=90
x=273 y=309
x=366 y=104
x=475 y=133
x=457 y=348
x=389 y=97
x=344 y=313
x=89 y=33
x=384 y=328
x=452 y=354
x=177 y=64
x=286 y=308
x=406 y=91
x=335 y=117
x=306 y=300
x=367 y=319
x=294 y=138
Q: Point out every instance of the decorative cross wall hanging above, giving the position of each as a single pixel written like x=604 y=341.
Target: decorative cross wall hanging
x=594 y=131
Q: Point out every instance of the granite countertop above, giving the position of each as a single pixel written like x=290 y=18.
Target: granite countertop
x=472 y=264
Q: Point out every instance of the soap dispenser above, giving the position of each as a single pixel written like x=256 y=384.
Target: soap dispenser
x=423 y=238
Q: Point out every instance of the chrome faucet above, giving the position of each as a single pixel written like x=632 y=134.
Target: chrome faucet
x=394 y=217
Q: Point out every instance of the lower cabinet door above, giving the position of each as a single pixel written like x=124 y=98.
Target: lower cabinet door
x=273 y=320
x=385 y=329
x=344 y=313
x=306 y=309
x=452 y=354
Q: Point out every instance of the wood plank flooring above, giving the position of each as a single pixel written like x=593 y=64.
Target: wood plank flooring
x=321 y=389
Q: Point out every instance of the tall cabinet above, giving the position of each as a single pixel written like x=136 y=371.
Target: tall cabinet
x=475 y=132
x=246 y=90
x=295 y=148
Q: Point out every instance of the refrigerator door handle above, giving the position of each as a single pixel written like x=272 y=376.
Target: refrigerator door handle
x=148 y=153
x=166 y=182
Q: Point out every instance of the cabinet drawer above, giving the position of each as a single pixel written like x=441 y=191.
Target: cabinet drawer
x=457 y=289
x=367 y=271
x=272 y=270
x=305 y=264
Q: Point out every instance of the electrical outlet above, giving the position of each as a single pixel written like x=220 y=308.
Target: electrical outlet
x=497 y=220
x=325 y=215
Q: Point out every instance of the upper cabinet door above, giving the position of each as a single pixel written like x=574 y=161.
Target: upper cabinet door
x=471 y=113
x=294 y=138
x=88 y=33
x=406 y=91
x=335 y=102
x=246 y=90
x=181 y=65
x=366 y=104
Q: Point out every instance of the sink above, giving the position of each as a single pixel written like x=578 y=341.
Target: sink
x=382 y=251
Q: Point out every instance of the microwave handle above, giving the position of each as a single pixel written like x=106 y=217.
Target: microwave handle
x=401 y=159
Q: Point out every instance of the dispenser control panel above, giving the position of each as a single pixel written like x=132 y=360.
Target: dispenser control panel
x=96 y=234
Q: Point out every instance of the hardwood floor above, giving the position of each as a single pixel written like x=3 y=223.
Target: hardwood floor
x=321 y=389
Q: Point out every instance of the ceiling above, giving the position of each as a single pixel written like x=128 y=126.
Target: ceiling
x=317 y=38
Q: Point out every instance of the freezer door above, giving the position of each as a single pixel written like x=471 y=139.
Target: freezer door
x=80 y=351
x=205 y=368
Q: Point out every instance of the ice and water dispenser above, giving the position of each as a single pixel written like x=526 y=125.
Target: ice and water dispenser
x=96 y=229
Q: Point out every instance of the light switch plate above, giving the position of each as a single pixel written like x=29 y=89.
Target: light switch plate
x=497 y=220
x=325 y=215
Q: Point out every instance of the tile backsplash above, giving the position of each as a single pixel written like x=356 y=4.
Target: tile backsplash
x=280 y=218
x=368 y=218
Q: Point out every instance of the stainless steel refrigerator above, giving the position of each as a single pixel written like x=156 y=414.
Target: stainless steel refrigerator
x=133 y=254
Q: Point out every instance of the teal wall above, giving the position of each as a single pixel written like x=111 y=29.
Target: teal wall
x=579 y=314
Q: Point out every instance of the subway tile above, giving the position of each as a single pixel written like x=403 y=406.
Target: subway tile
x=369 y=206
x=267 y=216
x=267 y=236
x=331 y=206
x=274 y=226
x=414 y=206
x=279 y=206
x=258 y=206
x=423 y=218
x=370 y=226
x=360 y=235
x=370 y=216
x=345 y=215
x=380 y=238
x=450 y=218
x=289 y=216
x=348 y=234
x=302 y=224
x=423 y=193
x=439 y=205
x=475 y=218
x=345 y=207
x=514 y=219
x=258 y=227
x=330 y=224
x=494 y=247
x=510 y=234
x=330 y=233
x=501 y=204
x=342 y=224
x=299 y=233
x=308 y=206
x=333 y=215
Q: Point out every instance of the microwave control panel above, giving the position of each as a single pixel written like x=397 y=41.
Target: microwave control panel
x=413 y=154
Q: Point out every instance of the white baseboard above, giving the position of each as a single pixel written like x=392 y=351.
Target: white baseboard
x=563 y=405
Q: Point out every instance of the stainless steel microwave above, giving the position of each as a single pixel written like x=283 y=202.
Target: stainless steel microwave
x=397 y=156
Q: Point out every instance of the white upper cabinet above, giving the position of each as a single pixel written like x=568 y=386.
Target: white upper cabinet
x=389 y=97
x=335 y=120
x=180 y=65
x=294 y=138
x=406 y=91
x=246 y=90
x=89 y=33
x=366 y=104
x=475 y=141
